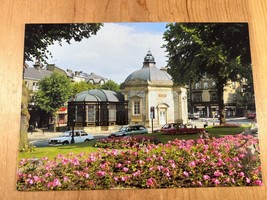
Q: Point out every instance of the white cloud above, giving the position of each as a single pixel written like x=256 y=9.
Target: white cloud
x=116 y=51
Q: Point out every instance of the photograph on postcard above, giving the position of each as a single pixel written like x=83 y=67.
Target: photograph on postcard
x=137 y=106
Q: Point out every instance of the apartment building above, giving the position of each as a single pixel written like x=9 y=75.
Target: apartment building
x=203 y=98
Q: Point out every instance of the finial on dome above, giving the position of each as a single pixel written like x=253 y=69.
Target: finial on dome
x=149 y=57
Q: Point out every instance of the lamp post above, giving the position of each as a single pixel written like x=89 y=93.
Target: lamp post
x=72 y=135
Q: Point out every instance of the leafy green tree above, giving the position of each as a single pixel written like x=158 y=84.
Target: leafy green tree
x=220 y=51
x=110 y=85
x=38 y=37
x=78 y=87
x=52 y=93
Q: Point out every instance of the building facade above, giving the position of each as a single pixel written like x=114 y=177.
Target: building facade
x=152 y=87
x=97 y=110
x=203 y=98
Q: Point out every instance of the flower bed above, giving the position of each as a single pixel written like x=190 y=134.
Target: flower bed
x=184 y=131
x=226 y=126
x=181 y=163
x=126 y=142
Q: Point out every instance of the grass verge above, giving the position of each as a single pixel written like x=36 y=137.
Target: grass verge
x=88 y=147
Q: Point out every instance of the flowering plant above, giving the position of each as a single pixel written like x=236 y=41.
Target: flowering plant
x=126 y=142
x=227 y=125
x=226 y=161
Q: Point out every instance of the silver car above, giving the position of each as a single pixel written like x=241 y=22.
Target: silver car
x=130 y=130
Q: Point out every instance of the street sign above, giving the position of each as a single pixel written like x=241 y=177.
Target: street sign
x=152 y=112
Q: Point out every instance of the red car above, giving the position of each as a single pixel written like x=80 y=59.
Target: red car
x=251 y=115
x=169 y=128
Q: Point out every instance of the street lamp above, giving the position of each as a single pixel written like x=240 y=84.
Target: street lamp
x=72 y=135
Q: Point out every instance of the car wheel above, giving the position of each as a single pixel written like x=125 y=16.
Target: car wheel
x=87 y=140
x=65 y=143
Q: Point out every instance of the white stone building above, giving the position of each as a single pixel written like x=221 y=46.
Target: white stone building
x=153 y=87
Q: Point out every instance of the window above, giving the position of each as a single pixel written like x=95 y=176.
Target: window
x=214 y=97
x=197 y=97
x=205 y=85
x=136 y=107
x=112 y=112
x=91 y=113
x=197 y=86
x=35 y=86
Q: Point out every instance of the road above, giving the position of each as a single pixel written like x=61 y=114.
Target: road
x=39 y=139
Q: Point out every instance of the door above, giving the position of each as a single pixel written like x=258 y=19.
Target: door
x=162 y=117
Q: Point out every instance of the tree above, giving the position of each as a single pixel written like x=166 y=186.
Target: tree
x=110 y=85
x=53 y=92
x=38 y=37
x=78 y=87
x=25 y=117
x=220 y=51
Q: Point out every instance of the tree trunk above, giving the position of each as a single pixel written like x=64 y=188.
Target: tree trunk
x=24 y=121
x=54 y=122
x=221 y=104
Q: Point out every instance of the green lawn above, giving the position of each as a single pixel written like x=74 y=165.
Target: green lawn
x=52 y=152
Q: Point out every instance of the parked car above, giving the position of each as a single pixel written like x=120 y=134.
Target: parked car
x=193 y=116
x=169 y=128
x=129 y=130
x=251 y=115
x=65 y=138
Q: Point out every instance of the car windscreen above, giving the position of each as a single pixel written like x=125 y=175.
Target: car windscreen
x=123 y=129
x=66 y=134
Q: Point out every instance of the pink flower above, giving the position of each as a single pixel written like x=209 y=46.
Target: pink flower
x=218 y=173
x=216 y=181
x=65 y=179
x=56 y=182
x=150 y=182
x=247 y=180
x=29 y=181
x=101 y=173
x=160 y=168
x=36 y=178
x=119 y=165
x=241 y=174
x=192 y=164
x=206 y=177
x=125 y=169
x=199 y=183
x=185 y=174
x=257 y=182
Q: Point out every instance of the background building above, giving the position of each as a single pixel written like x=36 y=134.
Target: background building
x=203 y=98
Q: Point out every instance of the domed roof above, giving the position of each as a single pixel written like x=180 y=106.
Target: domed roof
x=98 y=96
x=149 y=72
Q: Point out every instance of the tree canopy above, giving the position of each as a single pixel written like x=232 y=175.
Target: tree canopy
x=78 y=87
x=53 y=92
x=39 y=36
x=110 y=85
x=220 y=51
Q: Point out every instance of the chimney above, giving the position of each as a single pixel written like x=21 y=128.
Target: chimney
x=38 y=65
x=165 y=69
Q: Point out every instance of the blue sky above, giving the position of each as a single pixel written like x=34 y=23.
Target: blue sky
x=117 y=50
